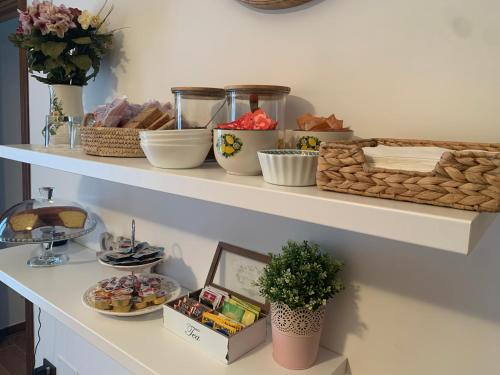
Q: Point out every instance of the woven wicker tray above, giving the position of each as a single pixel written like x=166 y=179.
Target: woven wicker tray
x=117 y=142
x=467 y=180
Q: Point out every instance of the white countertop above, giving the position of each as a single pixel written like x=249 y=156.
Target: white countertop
x=140 y=344
x=438 y=227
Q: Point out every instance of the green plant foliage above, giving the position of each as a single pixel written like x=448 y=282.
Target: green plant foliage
x=71 y=56
x=301 y=276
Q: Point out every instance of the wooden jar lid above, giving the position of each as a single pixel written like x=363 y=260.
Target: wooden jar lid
x=207 y=92
x=259 y=89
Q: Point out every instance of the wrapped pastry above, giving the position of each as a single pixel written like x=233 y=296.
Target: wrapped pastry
x=101 y=303
x=122 y=309
x=147 y=294
x=161 y=297
x=138 y=303
x=314 y=123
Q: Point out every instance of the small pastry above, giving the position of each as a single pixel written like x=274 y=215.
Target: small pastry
x=144 y=119
x=120 y=300
x=139 y=303
x=147 y=295
x=120 y=291
x=122 y=309
x=161 y=298
x=102 y=303
x=162 y=120
x=102 y=294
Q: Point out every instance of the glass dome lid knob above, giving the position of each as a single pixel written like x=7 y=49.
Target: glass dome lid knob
x=46 y=192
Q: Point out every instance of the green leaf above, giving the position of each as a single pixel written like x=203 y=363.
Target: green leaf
x=83 y=40
x=51 y=64
x=82 y=62
x=41 y=79
x=52 y=49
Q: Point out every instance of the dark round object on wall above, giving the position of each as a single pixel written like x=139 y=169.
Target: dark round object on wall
x=274 y=4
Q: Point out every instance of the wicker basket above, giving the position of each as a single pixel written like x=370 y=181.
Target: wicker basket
x=117 y=142
x=274 y=4
x=467 y=180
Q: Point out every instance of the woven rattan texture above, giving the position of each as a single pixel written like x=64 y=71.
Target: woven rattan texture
x=467 y=180
x=117 y=142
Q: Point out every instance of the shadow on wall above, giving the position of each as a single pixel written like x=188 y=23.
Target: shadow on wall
x=104 y=87
x=296 y=106
x=463 y=284
x=176 y=260
x=343 y=317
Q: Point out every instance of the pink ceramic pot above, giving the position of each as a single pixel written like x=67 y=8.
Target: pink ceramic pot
x=296 y=335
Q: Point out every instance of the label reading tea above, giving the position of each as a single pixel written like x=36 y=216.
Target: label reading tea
x=192 y=332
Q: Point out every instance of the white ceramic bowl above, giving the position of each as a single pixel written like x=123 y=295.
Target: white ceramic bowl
x=195 y=133
x=236 y=150
x=186 y=137
x=177 y=156
x=310 y=140
x=175 y=136
x=178 y=142
x=289 y=167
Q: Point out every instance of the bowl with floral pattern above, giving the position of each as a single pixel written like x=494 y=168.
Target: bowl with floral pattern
x=310 y=140
x=236 y=149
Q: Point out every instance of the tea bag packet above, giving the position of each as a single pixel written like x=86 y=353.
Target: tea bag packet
x=146 y=252
x=118 y=255
x=221 y=323
x=232 y=311
x=240 y=311
x=212 y=297
x=191 y=307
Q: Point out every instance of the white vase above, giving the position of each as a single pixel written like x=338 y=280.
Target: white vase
x=68 y=101
x=69 y=98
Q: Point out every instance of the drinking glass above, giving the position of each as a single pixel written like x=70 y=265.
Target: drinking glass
x=74 y=124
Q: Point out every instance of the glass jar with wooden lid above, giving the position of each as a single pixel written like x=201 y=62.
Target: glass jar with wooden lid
x=248 y=98
x=199 y=107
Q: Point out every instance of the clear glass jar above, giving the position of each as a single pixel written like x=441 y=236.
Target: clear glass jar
x=199 y=107
x=245 y=98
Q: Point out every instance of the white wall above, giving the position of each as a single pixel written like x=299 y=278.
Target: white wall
x=424 y=69
x=11 y=304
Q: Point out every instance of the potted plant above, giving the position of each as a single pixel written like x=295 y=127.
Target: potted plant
x=299 y=282
x=64 y=47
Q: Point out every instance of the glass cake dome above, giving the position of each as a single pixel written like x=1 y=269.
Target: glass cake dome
x=45 y=220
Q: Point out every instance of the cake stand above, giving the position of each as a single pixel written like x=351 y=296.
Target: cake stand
x=44 y=221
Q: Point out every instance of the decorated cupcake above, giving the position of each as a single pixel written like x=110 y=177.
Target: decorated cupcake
x=101 y=303
x=147 y=294
x=120 y=300
x=138 y=303
x=161 y=297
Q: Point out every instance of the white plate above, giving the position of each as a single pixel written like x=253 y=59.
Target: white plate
x=136 y=268
x=170 y=285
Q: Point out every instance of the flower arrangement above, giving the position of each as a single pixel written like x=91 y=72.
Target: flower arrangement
x=62 y=43
x=301 y=276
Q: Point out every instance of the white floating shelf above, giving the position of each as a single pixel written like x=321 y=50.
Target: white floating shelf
x=441 y=228
x=140 y=343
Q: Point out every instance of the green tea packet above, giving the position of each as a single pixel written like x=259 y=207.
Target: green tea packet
x=233 y=311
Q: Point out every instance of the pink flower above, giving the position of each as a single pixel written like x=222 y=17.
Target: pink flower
x=48 y=18
x=75 y=12
x=25 y=23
